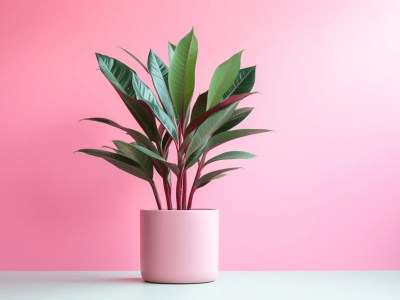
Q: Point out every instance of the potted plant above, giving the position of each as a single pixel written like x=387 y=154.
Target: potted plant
x=179 y=244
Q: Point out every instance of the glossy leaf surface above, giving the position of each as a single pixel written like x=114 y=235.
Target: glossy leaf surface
x=159 y=74
x=181 y=75
x=144 y=93
x=243 y=83
x=231 y=155
x=227 y=136
x=223 y=78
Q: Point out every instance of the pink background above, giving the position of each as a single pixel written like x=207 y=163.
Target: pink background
x=323 y=192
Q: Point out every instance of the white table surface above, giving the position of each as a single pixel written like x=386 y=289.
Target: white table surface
x=274 y=285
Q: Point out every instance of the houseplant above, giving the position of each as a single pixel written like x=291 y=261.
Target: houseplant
x=178 y=243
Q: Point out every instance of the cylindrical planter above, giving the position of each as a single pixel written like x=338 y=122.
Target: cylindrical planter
x=179 y=246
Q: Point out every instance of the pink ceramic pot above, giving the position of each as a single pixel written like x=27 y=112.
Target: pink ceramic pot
x=179 y=246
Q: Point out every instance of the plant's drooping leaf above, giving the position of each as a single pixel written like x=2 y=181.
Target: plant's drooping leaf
x=202 y=118
x=171 y=51
x=144 y=93
x=135 y=58
x=159 y=74
x=231 y=155
x=243 y=83
x=238 y=116
x=181 y=77
x=173 y=167
x=227 y=136
x=199 y=106
x=223 y=78
x=136 y=135
x=126 y=164
x=143 y=115
x=203 y=180
x=120 y=76
x=206 y=129
x=144 y=161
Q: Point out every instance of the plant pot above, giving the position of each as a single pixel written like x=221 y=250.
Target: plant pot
x=179 y=246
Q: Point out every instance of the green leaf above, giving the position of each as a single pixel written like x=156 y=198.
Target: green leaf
x=143 y=115
x=223 y=78
x=171 y=51
x=144 y=93
x=193 y=158
x=136 y=135
x=135 y=58
x=173 y=167
x=231 y=155
x=211 y=176
x=126 y=164
x=117 y=73
x=143 y=160
x=227 y=136
x=120 y=76
x=208 y=127
x=159 y=74
x=194 y=124
x=181 y=77
x=243 y=83
x=199 y=106
x=238 y=116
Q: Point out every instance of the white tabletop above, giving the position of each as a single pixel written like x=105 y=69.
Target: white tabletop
x=274 y=285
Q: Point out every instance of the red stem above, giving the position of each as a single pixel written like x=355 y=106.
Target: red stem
x=181 y=171
x=184 y=190
x=167 y=190
x=198 y=174
x=154 y=188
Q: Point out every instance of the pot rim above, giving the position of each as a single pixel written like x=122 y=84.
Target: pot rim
x=197 y=210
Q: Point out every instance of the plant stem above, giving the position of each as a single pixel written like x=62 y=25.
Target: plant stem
x=198 y=174
x=184 y=179
x=179 y=186
x=181 y=166
x=167 y=190
x=153 y=186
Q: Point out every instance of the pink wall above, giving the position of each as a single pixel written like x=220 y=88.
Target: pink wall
x=323 y=192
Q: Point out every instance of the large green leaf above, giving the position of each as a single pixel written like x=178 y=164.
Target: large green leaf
x=208 y=127
x=223 y=78
x=243 y=83
x=126 y=164
x=143 y=160
x=227 y=136
x=199 y=106
x=173 y=167
x=203 y=180
x=171 y=51
x=231 y=155
x=238 y=116
x=120 y=76
x=135 y=58
x=136 y=135
x=181 y=77
x=144 y=93
x=159 y=74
